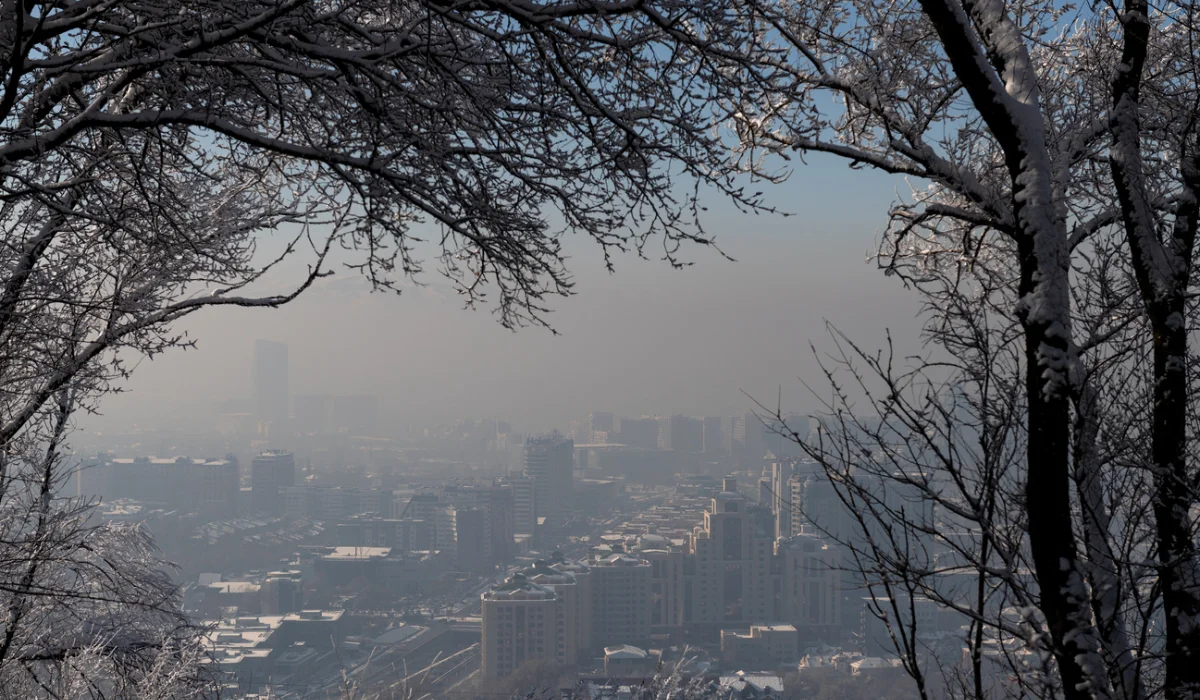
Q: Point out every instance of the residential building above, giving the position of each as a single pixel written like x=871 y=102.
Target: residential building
x=209 y=487
x=582 y=574
x=334 y=503
x=519 y=624
x=810 y=589
x=566 y=592
x=732 y=570
x=471 y=541
x=666 y=581
x=621 y=600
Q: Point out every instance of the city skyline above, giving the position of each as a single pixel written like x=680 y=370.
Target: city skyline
x=646 y=339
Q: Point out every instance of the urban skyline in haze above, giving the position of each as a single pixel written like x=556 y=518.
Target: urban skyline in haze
x=704 y=340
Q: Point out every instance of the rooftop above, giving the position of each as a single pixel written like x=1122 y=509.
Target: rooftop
x=625 y=651
x=518 y=587
x=357 y=553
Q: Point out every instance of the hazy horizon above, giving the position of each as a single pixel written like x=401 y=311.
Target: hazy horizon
x=647 y=339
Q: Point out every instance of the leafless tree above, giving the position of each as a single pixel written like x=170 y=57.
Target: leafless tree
x=1050 y=229
x=147 y=149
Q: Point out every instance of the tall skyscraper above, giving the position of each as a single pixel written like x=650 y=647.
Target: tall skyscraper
x=270 y=378
x=550 y=463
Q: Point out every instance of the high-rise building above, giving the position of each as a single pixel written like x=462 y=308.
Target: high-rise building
x=270 y=386
x=519 y=624
x=666 y=581
x=566 y=591
x=734 y=550
x=621 y=600
x=524 y=506
x=582 y=574
x=810 y=594
x=270 y=472
x=782 y=471
x=550 y=462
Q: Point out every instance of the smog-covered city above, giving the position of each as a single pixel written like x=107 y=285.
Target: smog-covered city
x=599 y=350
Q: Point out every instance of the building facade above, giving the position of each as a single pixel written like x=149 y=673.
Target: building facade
x=519 y=624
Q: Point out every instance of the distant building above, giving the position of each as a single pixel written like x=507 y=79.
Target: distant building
x=715 y=437
x=687 y=434
x=667 y=589
x=206 y=486
x=519 y=624
x=566 y=591
x=783 y=506
x=270 y=378
x=282 y=592
x=402 y=534
x=601 y=422
x=621 y=600
x=638 y=432
x=550 y=463
x=502 y=526
x=470 y=528
x=334 y=503
x=582 y=574
x=811 y=592
x=734 y=551
x=270 y=473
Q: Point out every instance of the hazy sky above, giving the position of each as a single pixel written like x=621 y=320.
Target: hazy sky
x=649 y=339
